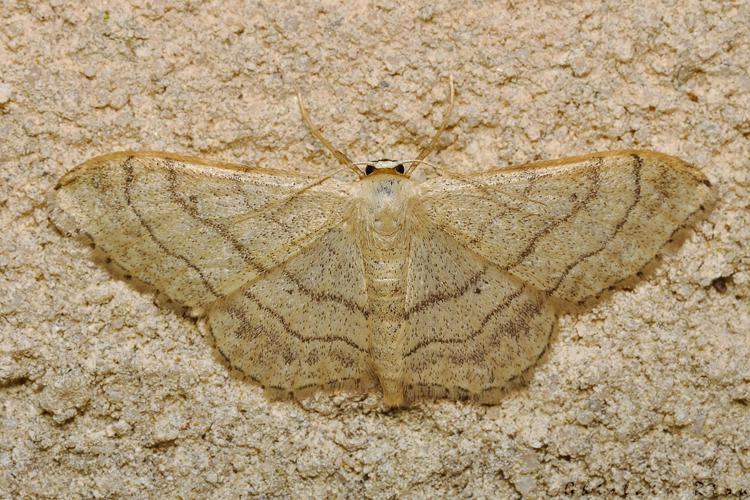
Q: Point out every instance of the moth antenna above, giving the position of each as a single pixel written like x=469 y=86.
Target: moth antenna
x=341 y=157
x=423 y=162
x=435 y=138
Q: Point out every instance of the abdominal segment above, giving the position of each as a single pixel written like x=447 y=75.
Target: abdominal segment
x=386 y=276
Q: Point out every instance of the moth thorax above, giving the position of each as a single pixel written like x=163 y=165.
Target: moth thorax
x=385 y=202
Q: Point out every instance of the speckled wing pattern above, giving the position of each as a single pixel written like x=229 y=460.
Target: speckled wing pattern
x=497 y=246
x=194 y=229
x=470 y=326
x=276 y=260
x=570 y=227
x=264 y=253
x=303 y=327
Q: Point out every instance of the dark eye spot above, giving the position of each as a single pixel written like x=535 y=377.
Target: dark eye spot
x=369 y=169
x=399 y=168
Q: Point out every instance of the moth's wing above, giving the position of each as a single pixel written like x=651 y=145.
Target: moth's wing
x=471 y=328
x=302 y=327
x=570 y=227
x=196 y=230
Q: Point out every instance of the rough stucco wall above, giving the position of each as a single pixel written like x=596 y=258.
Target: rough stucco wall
x=104 y=394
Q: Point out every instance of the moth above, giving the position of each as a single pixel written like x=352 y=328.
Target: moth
x=446 y=288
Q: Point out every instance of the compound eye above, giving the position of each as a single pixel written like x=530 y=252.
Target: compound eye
x=399 y=168
x=369 y=169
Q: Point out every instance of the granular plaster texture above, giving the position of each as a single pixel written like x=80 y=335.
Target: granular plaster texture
x=104 y=394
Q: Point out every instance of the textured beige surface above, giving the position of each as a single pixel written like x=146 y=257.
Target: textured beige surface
x=102 y=393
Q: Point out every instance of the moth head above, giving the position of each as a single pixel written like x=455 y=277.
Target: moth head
x=384 y=166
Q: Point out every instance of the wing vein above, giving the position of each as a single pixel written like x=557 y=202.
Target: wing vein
x=218 y=228
x=552 y=225
x=436 y=298
x=129 y=179
x=324 y=296
x=496 y=310
x=637 y=198
x=302 y=338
